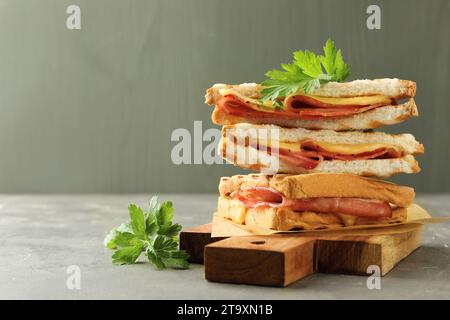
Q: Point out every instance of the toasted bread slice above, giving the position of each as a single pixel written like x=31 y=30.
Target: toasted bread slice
x=265 y=162
x=393 y=88
x=382 y=116
x=318 y=185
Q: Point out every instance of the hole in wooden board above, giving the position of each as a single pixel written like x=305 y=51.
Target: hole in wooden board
x=258 y=242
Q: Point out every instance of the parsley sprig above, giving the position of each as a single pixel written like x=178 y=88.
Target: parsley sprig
x=151 y=232
x=304 y=74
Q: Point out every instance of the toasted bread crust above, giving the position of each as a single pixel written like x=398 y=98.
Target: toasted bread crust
x=316 y=185
x=371 y=119
x=407 y=88
x=393 y=88
x=284 y=219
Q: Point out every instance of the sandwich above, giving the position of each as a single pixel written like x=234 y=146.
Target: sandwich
x=339 y=106
x=311 y=201
x=309 y=134
x=299 y=151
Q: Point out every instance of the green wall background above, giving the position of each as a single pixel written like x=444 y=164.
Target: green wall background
x=93 y=110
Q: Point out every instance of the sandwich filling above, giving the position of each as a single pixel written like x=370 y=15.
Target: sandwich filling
x=308 y=154
x=357 y=207
x=300 y=106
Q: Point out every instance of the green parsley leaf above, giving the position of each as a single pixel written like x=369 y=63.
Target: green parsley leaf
x=137 y=220
x=125 y=239
x=342 y=69
x=153 y=205
x=151 y=232
x=113 y=237
x=155 y=260
x=176 y=263
x=308 y=62
x=305 y=74
x=164 y=253
x=333 y=62
x=127 y=255
x=328 y=59
x=171 y=231
x=311 y=85
x=165 y=214
x=162 y=246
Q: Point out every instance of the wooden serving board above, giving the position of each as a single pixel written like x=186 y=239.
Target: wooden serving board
x=281 y=259
x=194 y=240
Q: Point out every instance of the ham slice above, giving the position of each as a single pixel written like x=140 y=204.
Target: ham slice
x=311 y=154
x=268 y=197
x=351 y=206
x=297 y=107
x=260 y=196
x=380 y=153
x=303 y=159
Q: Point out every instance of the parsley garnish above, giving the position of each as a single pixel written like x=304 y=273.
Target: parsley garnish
x=151 y=232
x=304 y=74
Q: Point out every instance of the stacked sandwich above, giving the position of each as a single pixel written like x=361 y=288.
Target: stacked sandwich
x=328 y=157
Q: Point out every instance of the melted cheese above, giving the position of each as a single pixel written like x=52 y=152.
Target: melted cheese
x=341 y=148
x=359 y=101
x=354 y=148
x=348 y=220
x=292 y=146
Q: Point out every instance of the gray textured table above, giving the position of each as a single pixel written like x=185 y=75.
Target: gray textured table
x=40 y=236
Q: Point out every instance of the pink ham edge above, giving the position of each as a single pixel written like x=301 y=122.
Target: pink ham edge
x=255 y=197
